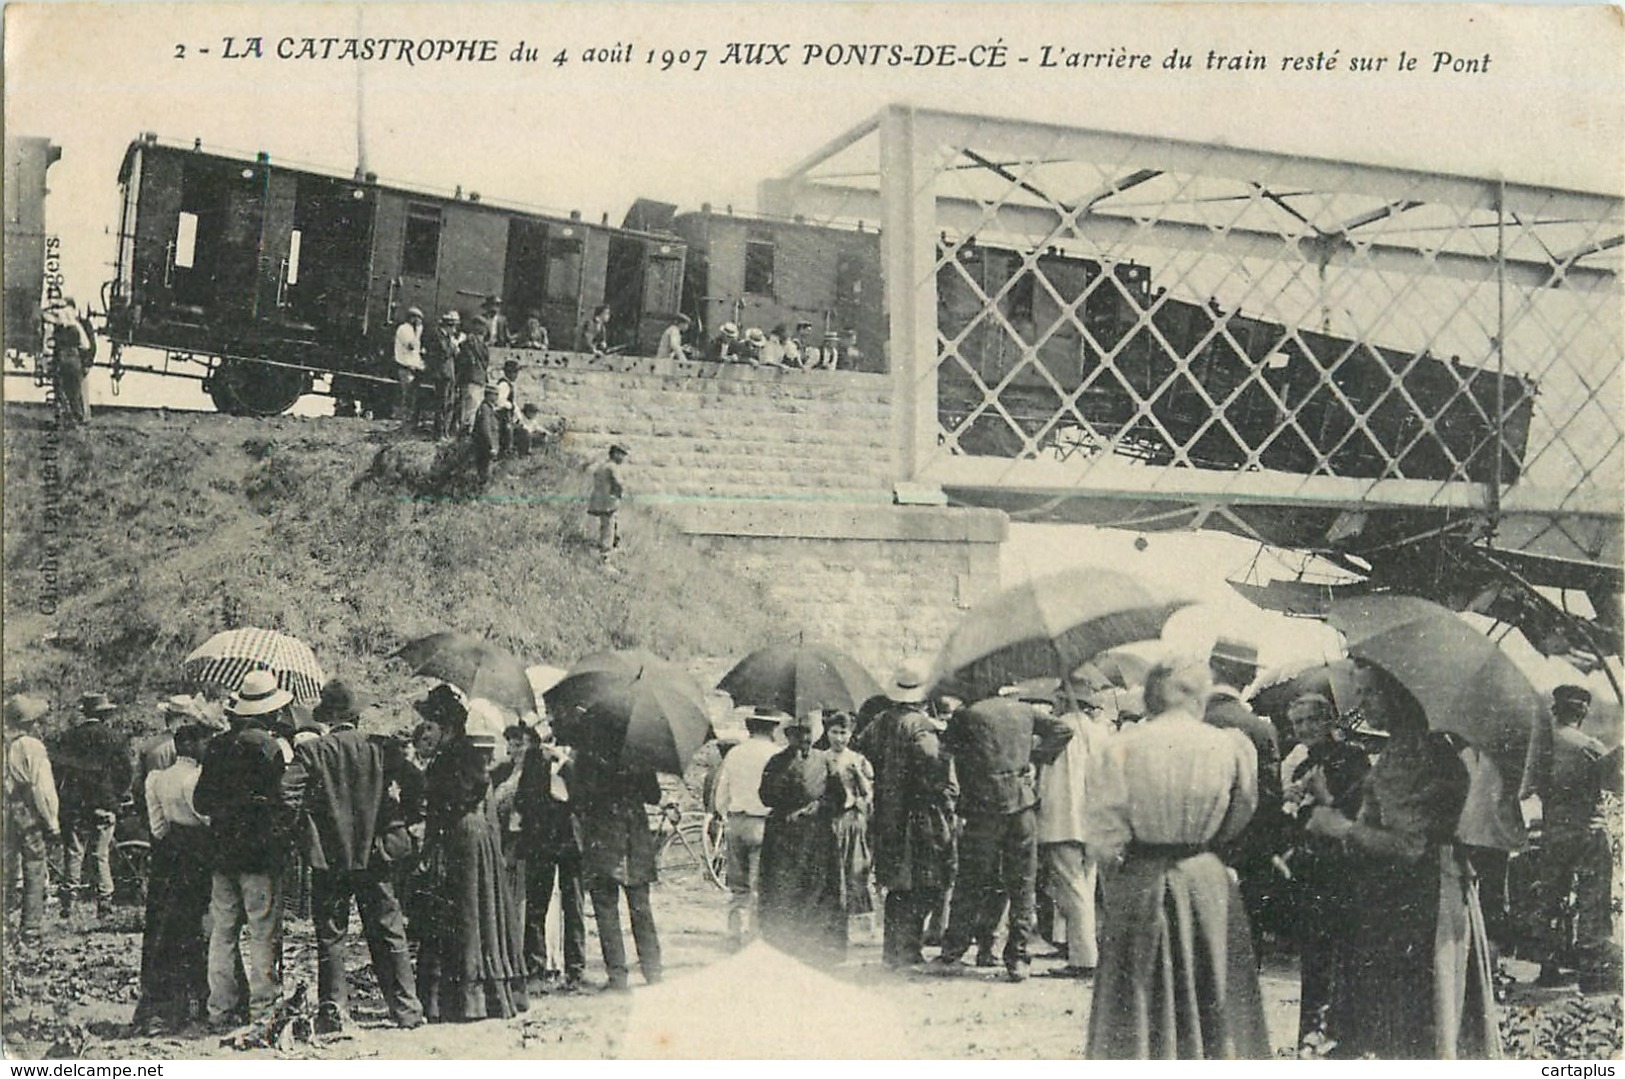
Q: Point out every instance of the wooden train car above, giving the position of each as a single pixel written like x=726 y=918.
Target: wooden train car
x=27 y=160
x=276 y=274
x=760 y=272
x=1225 y=390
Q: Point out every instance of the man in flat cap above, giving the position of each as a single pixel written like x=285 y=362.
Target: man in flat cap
x=93 y=774
x=1575 y=858
x=605 y=501
x=473 y=372
x=31 y=810
x=1234 y=665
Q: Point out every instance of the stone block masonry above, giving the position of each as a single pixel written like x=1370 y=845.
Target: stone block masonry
x=785 y=478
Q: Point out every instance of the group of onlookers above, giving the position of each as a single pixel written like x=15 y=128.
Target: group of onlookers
x=1191 y=830
x=1160 y=842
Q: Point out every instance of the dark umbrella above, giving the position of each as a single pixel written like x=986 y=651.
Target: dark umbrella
x=633 y=709
x=799 y=678
x=1048 y=626
x=478 y=668
x=1463 y=681
x=1336 y=681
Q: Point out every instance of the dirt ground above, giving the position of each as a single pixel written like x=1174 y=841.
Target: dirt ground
x=74 y=997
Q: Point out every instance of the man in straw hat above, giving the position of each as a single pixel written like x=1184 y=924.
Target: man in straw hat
x=737 y=799
x=93 y=776
x=912 y=825
x=31 y=810
x=240 y=791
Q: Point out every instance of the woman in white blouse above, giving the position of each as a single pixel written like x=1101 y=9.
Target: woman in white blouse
x=1177 y=978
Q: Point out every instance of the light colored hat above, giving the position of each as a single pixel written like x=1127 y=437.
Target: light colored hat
x=730 y=330
x=259 y=695
x=908 y=685
x=1033 y=690
x=755 y=336
x=768 y=715
x=25 y=711
x=414 y=312
x=452 y=316
x=181 y=705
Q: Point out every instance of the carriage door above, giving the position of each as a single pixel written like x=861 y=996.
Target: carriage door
x=524 y=272
x=153 y=186
x=857 y=305
x=280 y=245
x=324 y=282
x=562 y=284
x=623 y=291
x=232 y=245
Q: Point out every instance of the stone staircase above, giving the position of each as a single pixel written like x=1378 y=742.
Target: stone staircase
x=716 y=432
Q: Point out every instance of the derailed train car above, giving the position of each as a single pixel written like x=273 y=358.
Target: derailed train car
x=1169 y=381
x=272 y=275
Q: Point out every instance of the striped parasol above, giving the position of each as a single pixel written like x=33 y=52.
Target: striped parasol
x=227 y=657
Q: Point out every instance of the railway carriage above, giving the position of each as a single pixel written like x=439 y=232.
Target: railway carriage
x=273 y=275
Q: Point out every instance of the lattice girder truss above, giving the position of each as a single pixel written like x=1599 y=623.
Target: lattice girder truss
x=1077 y=313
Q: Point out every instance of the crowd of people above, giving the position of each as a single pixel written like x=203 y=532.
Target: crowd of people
x=1154 y=847
x=1145 y=845
x=449 y=850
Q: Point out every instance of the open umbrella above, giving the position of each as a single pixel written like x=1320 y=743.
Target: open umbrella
x=478 y=668
x=1336 y=681
x=1116 y=669
x=227 y=657
x=632 y=708
x=1048 y=626
x=799 y=678
x=1463 y=681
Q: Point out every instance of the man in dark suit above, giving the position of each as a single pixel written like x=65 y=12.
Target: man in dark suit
x=1234 y=664
x=1575 y=859
x=440 y=362
x=995 y=745
x=93 y=771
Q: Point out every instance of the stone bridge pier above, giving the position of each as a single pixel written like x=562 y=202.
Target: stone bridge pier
x=784 y=477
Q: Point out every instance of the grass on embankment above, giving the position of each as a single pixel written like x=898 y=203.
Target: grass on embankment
x=168 y=528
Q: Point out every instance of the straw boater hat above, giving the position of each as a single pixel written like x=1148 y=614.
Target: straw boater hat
x=259 y=695
x=181 y=705
x=414 y=312
x=25 y=711
x=767 y=715
x=908 y=685
x=452 y=316
x=730 y=330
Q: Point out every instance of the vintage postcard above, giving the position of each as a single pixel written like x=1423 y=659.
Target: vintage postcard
x=991 y=531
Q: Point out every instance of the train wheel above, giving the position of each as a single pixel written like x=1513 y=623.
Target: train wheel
x=241 y=388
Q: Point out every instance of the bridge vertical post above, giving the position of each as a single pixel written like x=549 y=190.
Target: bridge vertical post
x=908 y=257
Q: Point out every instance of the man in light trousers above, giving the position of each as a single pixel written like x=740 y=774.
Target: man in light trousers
x=1062 y=799
x=738 y=801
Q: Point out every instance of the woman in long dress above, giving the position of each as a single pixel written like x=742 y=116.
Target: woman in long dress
x=471 y=965
x=1177 y=978
x=801 y=889
x=1416 y=983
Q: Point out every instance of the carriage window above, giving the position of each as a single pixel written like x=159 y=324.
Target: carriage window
x=186 y=241
x=563 y=271
x=759 y=267
x=293 y=256
x=662 y=285
x=420 y=254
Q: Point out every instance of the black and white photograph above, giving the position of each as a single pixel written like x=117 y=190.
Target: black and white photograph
x=812 y=531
